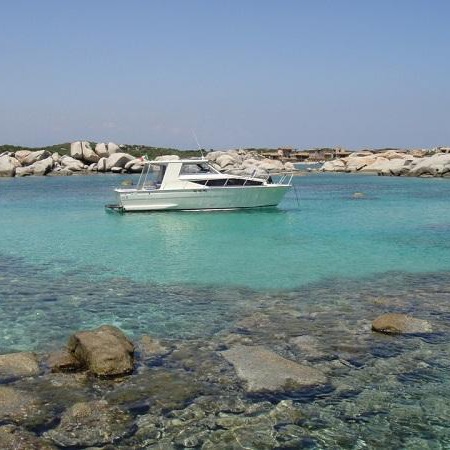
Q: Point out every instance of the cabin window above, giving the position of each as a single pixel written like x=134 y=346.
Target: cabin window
x=230 y=182
x=194 y=168
x=162 y=171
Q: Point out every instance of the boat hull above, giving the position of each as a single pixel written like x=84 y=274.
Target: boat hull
x=201 y=199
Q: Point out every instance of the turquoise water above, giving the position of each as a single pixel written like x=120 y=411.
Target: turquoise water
x=323 y=265
x=399 y=224
x=68 y=264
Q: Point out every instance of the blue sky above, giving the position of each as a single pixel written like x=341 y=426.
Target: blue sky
x=247 y=73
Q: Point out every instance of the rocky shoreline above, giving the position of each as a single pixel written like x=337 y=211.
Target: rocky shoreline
x=230 y=392
x=392 y=163
x=111 y=158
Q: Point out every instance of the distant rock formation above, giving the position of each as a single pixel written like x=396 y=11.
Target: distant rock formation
x=241 y=162
x=111 y=158
x=391 y=163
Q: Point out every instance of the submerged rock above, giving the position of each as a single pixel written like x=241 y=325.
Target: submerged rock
x=91 y=423
x=150 y=347
x=16 y=406
x=400 y=323
x=15 y=438
x=105 y=351
x=16 y=365
x=264 y=370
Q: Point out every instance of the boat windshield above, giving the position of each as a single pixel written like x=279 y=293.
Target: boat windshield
x=196 y=168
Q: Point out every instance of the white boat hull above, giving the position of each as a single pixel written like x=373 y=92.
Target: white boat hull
x=201 y=199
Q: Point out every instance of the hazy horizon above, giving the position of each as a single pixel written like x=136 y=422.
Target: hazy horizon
x=242 y=74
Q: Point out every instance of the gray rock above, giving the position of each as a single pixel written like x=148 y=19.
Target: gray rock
x=336 y=165
x=264 y=370
x=101 y=150
x=135 y=165
x=354 y=163
x=101 y=165
x=88 y=153
x=270 y=165
x=17 y=365
x=105 y=351
x=36 y=156
x=90 y=424
x=435 y=165
x=70 y=163
x=24 y=171
x=76 y=150
x=62 y=172
x=113 y=148
x=42 y=167
x=225 y=160
x=7 y=166
x=118 y=160
x=20 y=155
x=400 y=323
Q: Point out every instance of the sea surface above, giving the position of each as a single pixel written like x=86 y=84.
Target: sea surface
x=338 y=251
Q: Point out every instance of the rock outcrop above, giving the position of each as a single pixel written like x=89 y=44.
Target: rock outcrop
x=241 y=162
x=118 y=160
x=111 y=158
x=105 y=351
x=392 y=163
x=83 y=151
x=7 y=166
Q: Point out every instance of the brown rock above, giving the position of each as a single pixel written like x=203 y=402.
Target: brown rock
x=105 y=351
x=63 y=361
x=400 y=323
x=16 y=365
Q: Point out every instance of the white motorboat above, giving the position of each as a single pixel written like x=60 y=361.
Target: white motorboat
x=193 y=184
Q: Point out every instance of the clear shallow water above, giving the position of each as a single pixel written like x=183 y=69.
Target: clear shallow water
x=68 y=264
x=322 y=268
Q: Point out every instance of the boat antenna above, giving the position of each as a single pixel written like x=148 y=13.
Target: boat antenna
x=198 y=144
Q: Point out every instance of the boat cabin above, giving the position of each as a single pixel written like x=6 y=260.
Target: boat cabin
x=189 y=174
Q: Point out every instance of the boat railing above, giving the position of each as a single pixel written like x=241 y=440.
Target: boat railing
x=286 y=178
